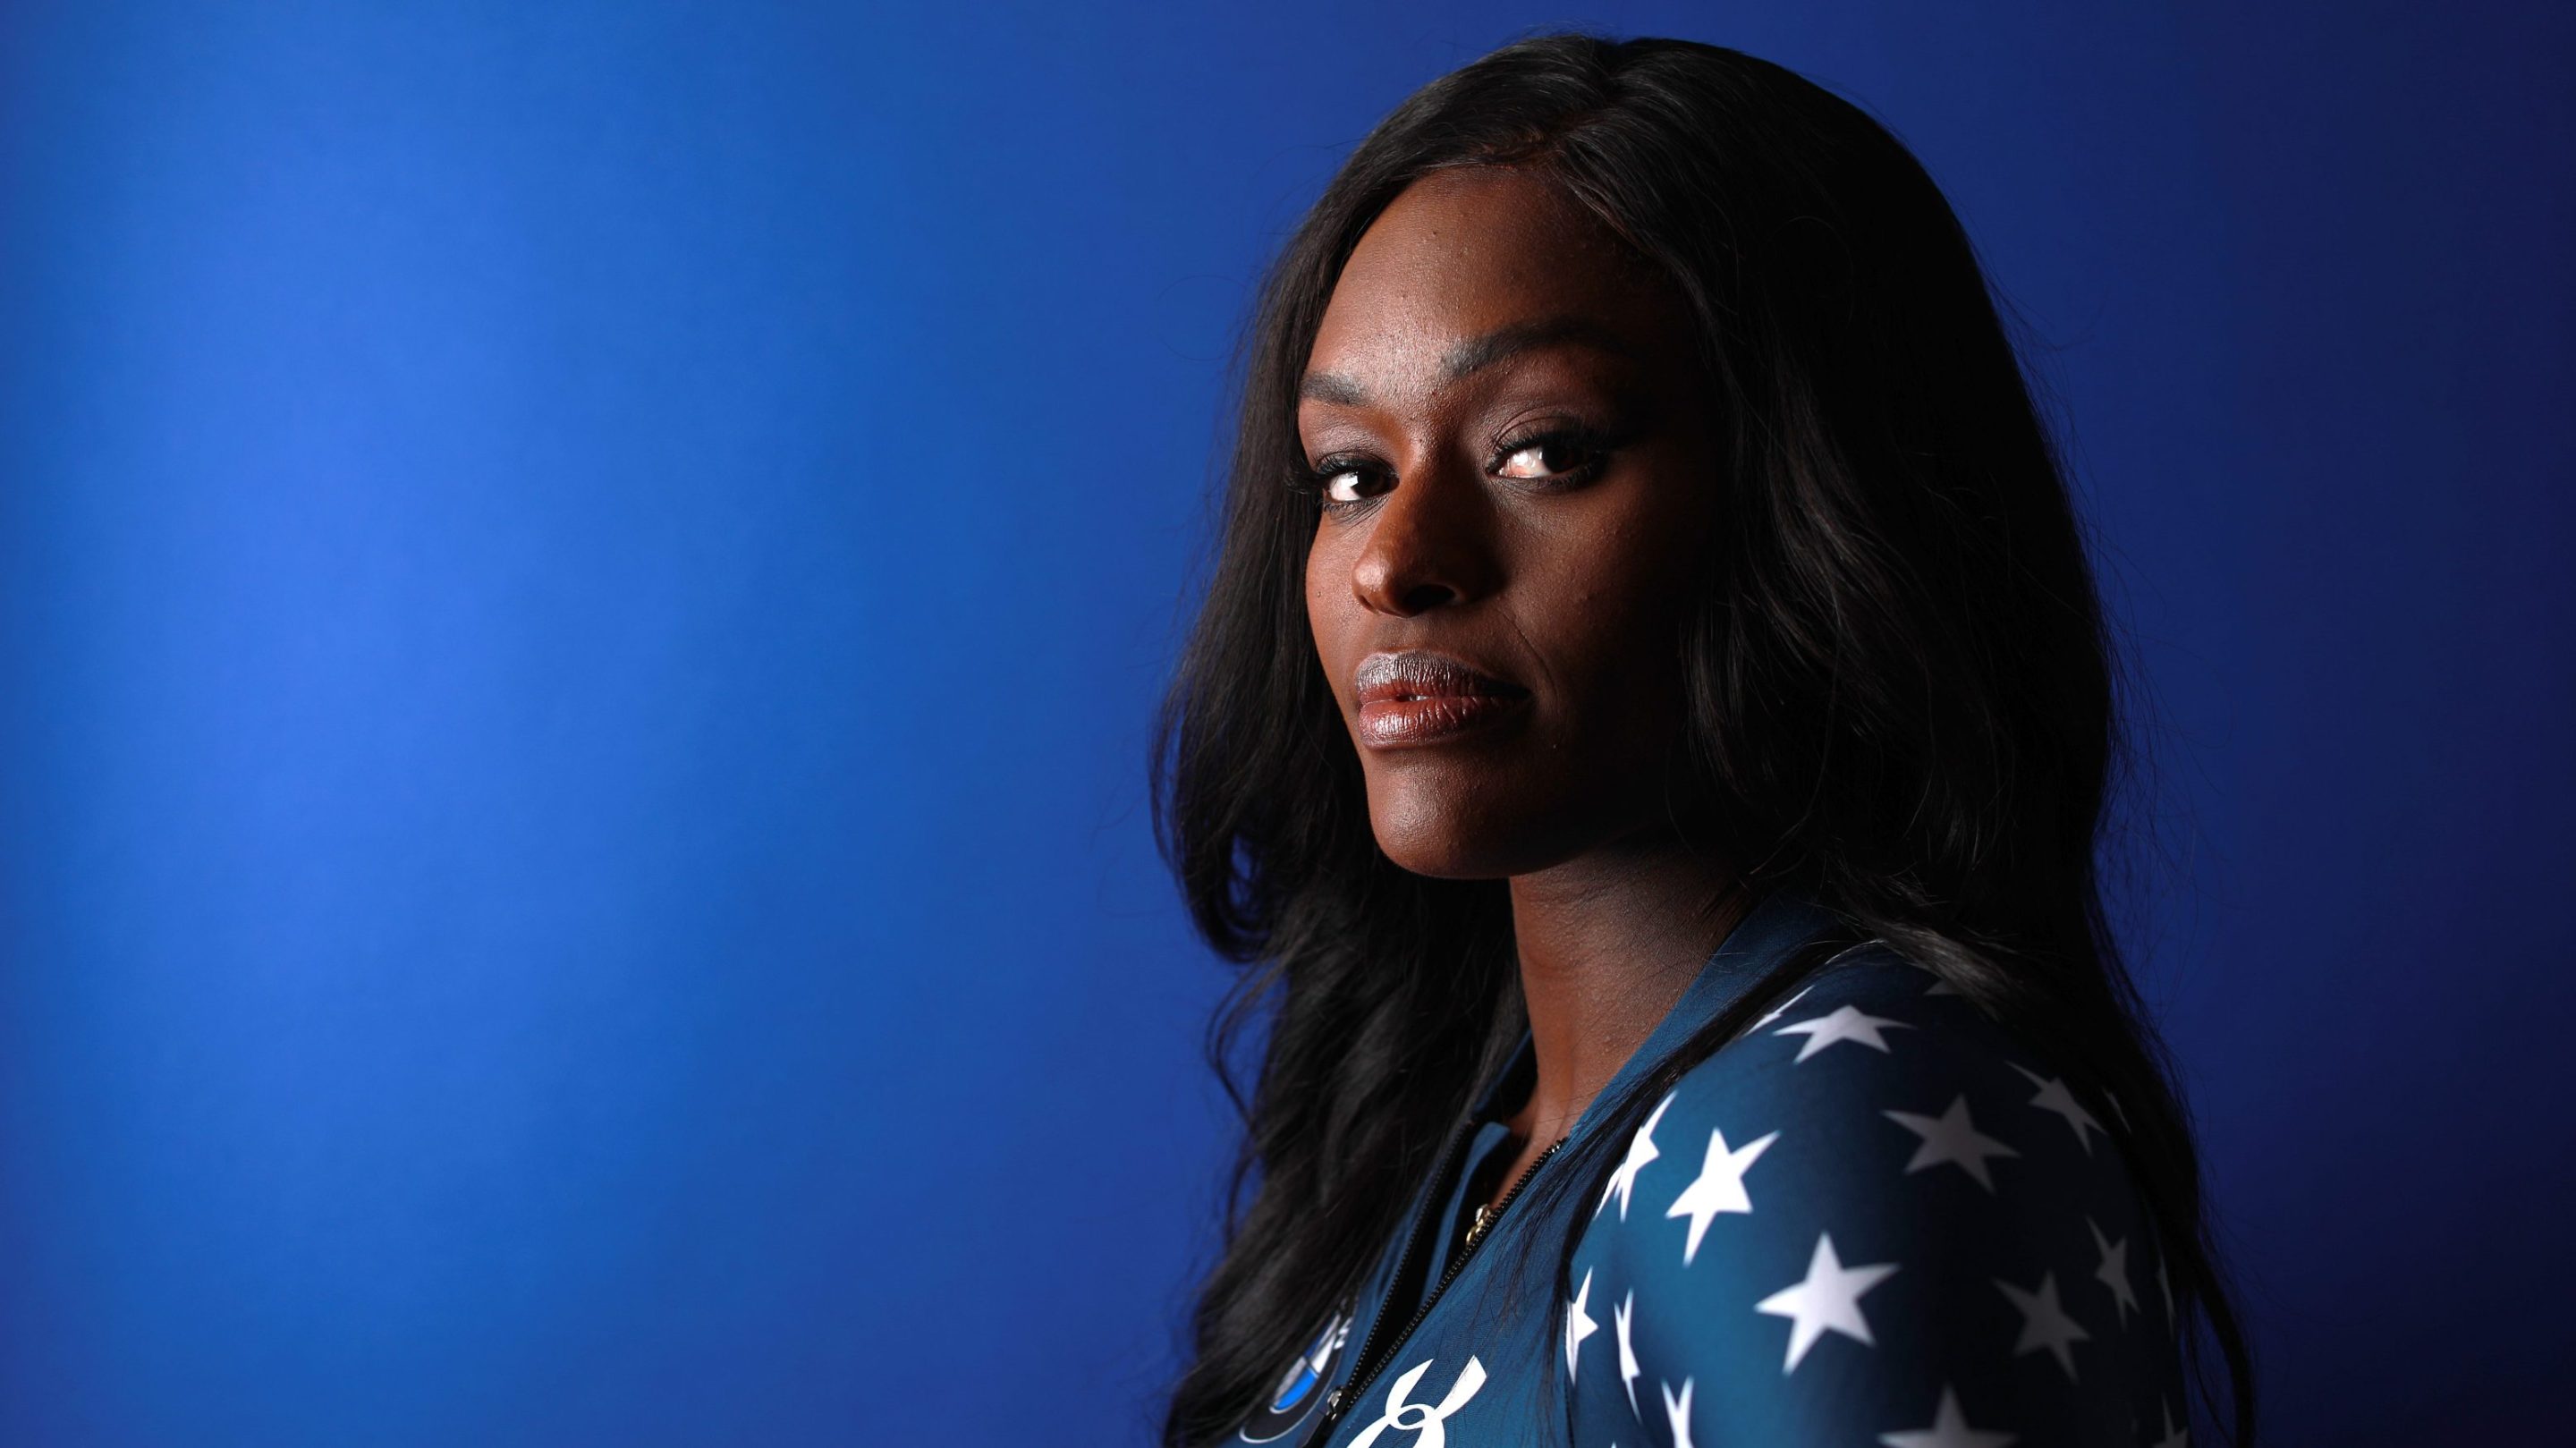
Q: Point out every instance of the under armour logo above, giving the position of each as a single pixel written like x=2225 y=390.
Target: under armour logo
x=1425 y=1420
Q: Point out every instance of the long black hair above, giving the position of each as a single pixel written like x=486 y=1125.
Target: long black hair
x=1904 y=698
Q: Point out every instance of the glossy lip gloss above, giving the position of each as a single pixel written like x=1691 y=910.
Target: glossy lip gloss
x=1418 y=697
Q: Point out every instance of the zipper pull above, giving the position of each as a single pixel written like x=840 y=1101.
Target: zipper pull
x=1476 y=1229
x=1324 y=1421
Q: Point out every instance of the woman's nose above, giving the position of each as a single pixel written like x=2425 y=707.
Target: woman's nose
x=1428 y=547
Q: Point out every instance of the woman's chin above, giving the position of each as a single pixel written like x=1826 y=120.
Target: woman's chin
x=1463 y=842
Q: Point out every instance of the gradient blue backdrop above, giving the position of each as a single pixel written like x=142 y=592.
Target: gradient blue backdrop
x=580 y=587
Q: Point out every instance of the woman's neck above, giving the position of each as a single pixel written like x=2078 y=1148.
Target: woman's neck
x=1607 y=944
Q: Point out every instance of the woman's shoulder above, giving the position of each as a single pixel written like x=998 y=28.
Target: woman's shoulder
x=1872 y=1024
x=1874 y=1212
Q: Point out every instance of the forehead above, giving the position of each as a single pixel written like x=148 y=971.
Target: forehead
x=1465 y=254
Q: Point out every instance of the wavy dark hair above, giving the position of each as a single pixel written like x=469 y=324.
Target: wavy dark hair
x=1905 y=699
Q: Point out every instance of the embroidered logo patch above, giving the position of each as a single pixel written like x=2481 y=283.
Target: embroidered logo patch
x=1301 y=1386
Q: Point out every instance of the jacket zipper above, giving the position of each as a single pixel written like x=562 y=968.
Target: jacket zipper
x=1367 y=1369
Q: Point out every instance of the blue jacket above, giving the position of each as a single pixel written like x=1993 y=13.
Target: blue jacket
x=1873 y=1218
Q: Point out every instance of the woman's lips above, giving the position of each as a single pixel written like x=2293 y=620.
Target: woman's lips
x=1423 y=698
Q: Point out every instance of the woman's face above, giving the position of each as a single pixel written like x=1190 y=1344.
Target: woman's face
x=1519 y=472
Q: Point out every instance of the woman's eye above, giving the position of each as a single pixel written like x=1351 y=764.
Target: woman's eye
x=1543 y=457
x=1344 y=485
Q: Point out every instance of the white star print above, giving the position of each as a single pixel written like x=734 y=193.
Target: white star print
x=1844 y=1023
x=1949 y=1430
x=1641 y=1150
x=1940 y=984
x=2174 y=1437
x=1578 y=1325
x=1951 y=1138
x=1677 y=1413
x=1779 y=1010
x=2053 y=1096
x=1827 y=1301
x=1620 y=1317
x=1720 y=1187
x=2114 y=1274
x=2044 y=1323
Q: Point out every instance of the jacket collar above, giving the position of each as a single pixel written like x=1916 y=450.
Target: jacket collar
x=1777 y=924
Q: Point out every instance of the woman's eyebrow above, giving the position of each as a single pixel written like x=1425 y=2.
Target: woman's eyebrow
x=1481 y=352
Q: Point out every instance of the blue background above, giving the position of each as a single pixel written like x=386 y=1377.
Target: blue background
x=581 y=585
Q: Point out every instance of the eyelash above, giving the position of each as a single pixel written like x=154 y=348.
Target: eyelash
x=1590 y=441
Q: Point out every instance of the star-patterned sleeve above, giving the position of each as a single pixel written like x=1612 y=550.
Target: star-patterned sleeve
x=1873 y=1218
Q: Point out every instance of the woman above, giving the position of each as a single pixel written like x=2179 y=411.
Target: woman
x=1647 y=733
